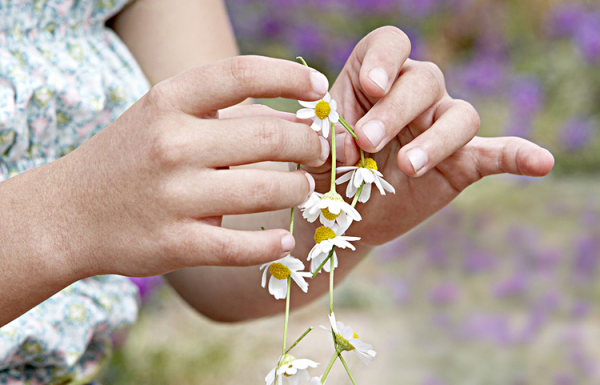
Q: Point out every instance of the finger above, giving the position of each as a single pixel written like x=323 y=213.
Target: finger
x=510 y=155
x=452 y=130
x=240 y=191
x=382 y=54
x=203 y=245
x=258 y=139
x=419 y=86
x=242 y=111
x=206 y=89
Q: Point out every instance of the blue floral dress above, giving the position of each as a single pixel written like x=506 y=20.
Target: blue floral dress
x=63 y=77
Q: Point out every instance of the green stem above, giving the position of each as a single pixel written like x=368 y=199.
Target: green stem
x=333 y=358
x=362 y=157
x=298 y=340
x=348 y=128
x=357 y=195
x=347 y=370
x=324 y=262
x=333 y=157
x=287 y=314
x=331 y=283
x=302 y=60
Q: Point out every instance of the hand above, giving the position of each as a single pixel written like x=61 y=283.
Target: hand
x=423 y=140
x=147 y=194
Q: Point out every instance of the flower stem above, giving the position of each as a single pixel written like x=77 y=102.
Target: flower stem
x=324 y=262
x=287 y=315
x=331 y=284
x=298 y=340
x=347 y=370
x=347 y=127
x=355 y=200
x=333 y=157
x=333 y=358
x=302 y=60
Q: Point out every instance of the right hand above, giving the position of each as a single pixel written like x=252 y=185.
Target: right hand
x=147 y=194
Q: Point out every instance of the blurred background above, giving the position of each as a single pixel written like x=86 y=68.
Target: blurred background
x=501 y=287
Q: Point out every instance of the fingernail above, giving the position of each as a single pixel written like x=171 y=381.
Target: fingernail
x=374 y=131
x=339 y=147
x=319 y=82
x=287 y=243
x=379 y=77
x=418 y=158
x=311 y=182
x=324 y=149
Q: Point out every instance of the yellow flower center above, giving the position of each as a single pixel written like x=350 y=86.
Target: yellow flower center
x=322 y=109
x=329 y=215
x=355 y=335
x=369 y=164
x=323 y=233
x=279 y=270
x=342 y=343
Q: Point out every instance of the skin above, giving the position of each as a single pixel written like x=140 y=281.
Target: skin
x=147 y=204
x=134 y=204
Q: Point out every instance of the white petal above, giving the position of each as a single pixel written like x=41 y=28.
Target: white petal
x=304 y=363
x=308 y=104
x=326 y=127
x=327 y=97
x=387 y=186
x=333 y=323
x=299 y=279
x=270 y=378
x=334 y=117
x=335 y=207
x=379 y=186
x=344 y=169
x=333 y=105
x=278 y=288
x=358 y=179
x=344 y=221
x=344 y=178
x=343 y=244
x=305 y=113
x=327 y=266
x=367 y=176
x=354 y=214
x=264 y=277
x=316 y=124
x=365 y=194
x=350 y=189
x=325 y=221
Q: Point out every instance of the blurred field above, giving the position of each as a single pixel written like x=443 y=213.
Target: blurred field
x=503 y=286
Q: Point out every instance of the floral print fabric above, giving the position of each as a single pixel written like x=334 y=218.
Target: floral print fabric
x=64 y=76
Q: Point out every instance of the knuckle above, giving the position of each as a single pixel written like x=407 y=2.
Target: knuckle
x=267 y=192
x=228 y=250
x=432 y=77
x=166 y=150
x=396 y=34
x=471 y=116
x=159 y=97
x=242 y=70
x=270 y=136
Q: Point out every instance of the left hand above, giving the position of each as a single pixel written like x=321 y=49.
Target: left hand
x=423 y=140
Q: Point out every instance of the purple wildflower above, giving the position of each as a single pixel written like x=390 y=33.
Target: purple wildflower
x=576 y=133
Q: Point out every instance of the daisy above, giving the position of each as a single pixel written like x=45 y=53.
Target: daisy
x=326 y=238
x=292 y=369
x=281 y=270
x=347 y=339
x=330 y=208
x=367 y=174
x=323 y=112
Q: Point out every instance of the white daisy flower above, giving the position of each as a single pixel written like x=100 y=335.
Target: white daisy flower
x=323 y=112
x=292 y=369
x=368 y=174
x=347 y=339
x=325 y=239
x=281 y=270
x=330 y=208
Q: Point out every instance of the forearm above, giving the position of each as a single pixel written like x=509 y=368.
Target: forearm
x=235 y=294
x=35 y=261
x=168 y=37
